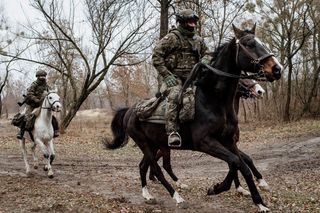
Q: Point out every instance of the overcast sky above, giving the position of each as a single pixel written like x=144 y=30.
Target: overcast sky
x=17 y=10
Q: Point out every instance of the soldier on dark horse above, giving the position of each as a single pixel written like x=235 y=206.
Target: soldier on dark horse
x=215 y=123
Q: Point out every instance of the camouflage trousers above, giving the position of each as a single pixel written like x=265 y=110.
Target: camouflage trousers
x=171 y=114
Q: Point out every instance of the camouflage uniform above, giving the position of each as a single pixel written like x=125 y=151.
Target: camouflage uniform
x=33 y=100
x=176 y=54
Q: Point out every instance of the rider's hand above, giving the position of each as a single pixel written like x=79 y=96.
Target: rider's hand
x=170 y=81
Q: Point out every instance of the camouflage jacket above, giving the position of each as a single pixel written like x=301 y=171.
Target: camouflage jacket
x=177 y=53
x=35 y=93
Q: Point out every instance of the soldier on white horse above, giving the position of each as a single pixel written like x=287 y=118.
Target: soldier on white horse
x=33 y=100
x=39 y=121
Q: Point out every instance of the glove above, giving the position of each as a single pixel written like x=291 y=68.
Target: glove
x=205 y=61
x=170 y=81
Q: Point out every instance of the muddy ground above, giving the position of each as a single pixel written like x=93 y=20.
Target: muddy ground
x=88 y=178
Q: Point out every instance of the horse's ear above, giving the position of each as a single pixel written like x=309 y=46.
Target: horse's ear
x=237 y=31
x=253 y=30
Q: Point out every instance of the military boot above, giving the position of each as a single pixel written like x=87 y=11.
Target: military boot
x=174 y=139
x=55 y=125
x=21 y=131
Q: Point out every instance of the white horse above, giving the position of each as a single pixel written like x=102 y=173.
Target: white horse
x=43 y=133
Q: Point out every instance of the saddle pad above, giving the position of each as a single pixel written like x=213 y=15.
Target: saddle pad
x=154 y=110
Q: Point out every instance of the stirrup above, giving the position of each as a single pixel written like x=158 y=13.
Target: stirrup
x=174 y=140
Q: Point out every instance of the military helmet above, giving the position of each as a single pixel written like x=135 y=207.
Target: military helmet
x=41 y=73
x=186 y=15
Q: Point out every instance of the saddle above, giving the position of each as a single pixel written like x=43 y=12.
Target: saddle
x=154 y=110
x=29 y=119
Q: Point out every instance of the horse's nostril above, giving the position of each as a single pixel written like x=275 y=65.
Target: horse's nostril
x=276 y=70
x=259 y=92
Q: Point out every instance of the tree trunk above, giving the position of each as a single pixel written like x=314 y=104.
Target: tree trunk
x=286 y=115
x=164 y=18
x=0 y=106
x=73 y=111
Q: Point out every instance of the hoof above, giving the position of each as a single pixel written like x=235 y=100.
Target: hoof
x=213 y=190
x=262 y=208
x=35 y=166
x=45 y=168
x=183 y=205
x=50 y=173
x=210 y=191
x=152 y=201
x=262 y=184
x=243 y=191
x=181 y=185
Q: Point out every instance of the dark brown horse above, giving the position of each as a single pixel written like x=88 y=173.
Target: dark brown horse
x=215 y=123
x=247 y=88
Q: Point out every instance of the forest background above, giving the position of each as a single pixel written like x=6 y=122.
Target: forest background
x=98 y=53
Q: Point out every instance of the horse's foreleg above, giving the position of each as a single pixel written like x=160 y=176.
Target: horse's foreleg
x=24 y=154
x=50 y=158
x=214 y=148
x=262 y=184
x=46 y=155
x=35 y=158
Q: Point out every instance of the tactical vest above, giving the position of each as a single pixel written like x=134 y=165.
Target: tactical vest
x=181 y=61
x=39 y=89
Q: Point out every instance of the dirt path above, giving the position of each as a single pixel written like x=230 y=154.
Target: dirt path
x=90 y=179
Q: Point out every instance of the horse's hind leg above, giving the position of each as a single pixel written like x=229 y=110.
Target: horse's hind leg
x=35 y=158
x=152 y=176
x=166 y=157
x=143 y=168
x=262 y=184
x=167 y=166
x=149 y=159
x=238 y=186
x=24 y=154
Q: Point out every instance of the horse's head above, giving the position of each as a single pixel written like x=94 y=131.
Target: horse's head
x=249 y=88
x=52 y=101
x=253 y=56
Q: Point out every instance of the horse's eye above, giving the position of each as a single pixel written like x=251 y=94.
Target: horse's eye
x=251 y=44
x=50 y=97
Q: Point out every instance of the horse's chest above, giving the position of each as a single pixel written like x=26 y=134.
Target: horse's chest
x=44 y=133
x=221 y=124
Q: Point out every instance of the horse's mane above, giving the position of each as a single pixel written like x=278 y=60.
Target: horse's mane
x=219 y=49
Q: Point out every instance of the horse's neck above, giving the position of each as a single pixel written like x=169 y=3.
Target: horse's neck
x=236 y=102
x=221 y=87
x=45 y=112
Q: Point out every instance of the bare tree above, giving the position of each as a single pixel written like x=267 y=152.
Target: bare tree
x=287 y=34
x=314 y=14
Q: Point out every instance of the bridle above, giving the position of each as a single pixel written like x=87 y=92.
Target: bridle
x=254 y=60
x=50 y=104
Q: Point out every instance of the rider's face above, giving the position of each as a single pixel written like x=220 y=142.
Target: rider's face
x=190 y=24
x=42 y=78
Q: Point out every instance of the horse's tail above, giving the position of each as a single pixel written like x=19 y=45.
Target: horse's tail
x=120 y=137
